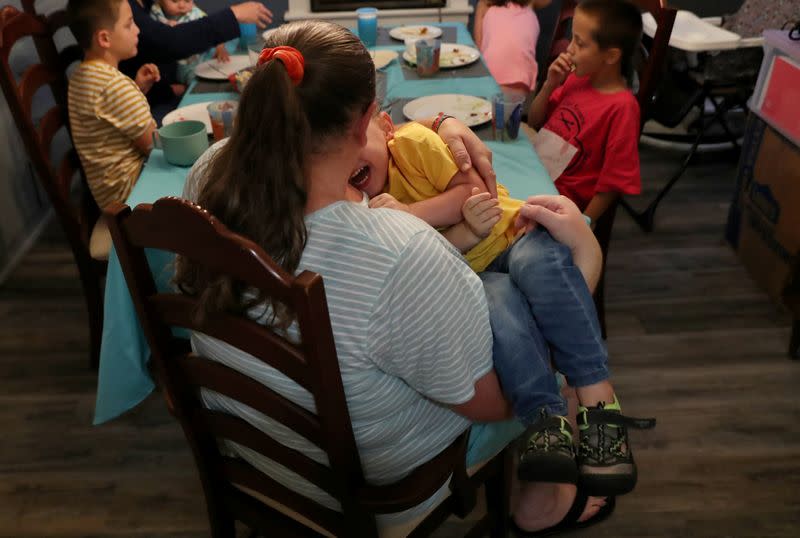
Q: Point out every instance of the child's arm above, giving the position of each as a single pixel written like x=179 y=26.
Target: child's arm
x=145 y=141
x=480 y=11
x=598 y=205
x=481 y=213
x=556 y=75
x=221 y=53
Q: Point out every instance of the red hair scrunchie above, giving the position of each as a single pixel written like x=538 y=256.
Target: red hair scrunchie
x=290 y=57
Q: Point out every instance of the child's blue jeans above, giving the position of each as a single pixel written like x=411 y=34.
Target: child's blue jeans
x=545 y=309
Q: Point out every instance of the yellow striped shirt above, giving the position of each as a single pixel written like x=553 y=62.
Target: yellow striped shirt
x=107 y=112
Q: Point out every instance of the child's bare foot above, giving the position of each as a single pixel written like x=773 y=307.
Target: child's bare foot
x=542 y=505
x=178 y=89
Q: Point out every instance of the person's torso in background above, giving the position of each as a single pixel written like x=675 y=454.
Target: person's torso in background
x=508 y=44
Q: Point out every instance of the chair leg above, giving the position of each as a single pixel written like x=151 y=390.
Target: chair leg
x=94 y=307
x=498 y=496
x=646 y=218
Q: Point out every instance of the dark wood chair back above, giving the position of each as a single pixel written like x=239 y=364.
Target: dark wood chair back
x=178 y=226
x=61 y=177
x=56 y=21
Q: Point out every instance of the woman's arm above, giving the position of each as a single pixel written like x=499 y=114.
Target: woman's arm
x=480 y=12
x=488 y=404
x=160 y=43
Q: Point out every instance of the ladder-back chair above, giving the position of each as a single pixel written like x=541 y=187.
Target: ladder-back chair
x=234 y=489
x=60 y=177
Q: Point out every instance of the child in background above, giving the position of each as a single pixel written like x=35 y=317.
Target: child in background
x=588 y=119
x=111 y=124
x=506 y=31
x=411 y=169
x=173 y=13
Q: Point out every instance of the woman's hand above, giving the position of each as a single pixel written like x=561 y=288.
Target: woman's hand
x=481 y=213
x=567 y=225
x=559 y=215
x=146 y=76
x=387 y=200
x=469 y=151
x=249 y=12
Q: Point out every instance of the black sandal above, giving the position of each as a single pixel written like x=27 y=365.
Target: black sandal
x=570 y=521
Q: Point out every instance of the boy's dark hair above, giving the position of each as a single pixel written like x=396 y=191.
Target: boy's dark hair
x=85 y=17
x=619 y=25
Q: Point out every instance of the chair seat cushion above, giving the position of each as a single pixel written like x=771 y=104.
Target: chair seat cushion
x=100 y=240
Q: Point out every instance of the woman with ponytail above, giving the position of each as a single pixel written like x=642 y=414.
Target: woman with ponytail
x=410 y=319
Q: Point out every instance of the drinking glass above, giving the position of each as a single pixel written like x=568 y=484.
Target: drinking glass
x=368 y=26
x=506 y=115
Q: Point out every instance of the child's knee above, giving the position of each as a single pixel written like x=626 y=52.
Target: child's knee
x=539 y=251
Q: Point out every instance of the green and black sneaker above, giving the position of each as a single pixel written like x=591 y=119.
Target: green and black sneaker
x=548 y=453
x=605 y=460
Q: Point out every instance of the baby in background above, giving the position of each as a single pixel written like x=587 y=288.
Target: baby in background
x=172 y=13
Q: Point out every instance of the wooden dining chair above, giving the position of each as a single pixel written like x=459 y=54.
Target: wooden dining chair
x=650 y=66
x=62 y=178
x=234 y=489
x=57 y=21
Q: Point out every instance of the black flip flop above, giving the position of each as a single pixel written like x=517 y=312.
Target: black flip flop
x=570 y=521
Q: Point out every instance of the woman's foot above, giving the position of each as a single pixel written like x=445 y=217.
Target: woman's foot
x=542 y=505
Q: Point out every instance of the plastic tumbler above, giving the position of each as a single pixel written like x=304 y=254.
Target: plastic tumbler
x=368 y=26
x=221 y=114
x=248 y=34
x=506 y=116
x=427 y=53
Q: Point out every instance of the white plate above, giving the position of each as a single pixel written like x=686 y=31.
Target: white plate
x=404 y=32
x=451 y=56
x=216 y=70
x=468 y=109
x=197 y=111
x=382 y=58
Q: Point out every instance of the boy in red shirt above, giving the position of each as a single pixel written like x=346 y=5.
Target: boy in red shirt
x=585 y=109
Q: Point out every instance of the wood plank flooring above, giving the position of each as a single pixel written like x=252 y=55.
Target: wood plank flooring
x=692 y=340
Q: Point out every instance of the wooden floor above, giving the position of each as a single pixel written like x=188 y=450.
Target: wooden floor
x=692 y=341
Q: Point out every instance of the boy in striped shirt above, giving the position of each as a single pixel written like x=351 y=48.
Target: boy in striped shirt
x=112 y=127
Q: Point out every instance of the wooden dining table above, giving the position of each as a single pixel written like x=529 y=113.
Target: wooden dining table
x=124 y=379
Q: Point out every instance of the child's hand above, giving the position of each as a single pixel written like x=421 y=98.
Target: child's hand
x=559 y=215
x=481 y=212
x=387 y=200
x=559 y=70
x=146 y=76
x=221 y=54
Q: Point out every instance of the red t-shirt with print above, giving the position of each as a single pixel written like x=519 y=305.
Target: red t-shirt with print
x=604 y=128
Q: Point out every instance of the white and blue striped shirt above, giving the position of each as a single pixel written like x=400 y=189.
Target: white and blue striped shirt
x=411 y=328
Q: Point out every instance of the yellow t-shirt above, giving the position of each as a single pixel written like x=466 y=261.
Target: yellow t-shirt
x=421 y=167
x=107 y=112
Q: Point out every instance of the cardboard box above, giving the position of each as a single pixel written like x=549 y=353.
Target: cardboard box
x=769 y=203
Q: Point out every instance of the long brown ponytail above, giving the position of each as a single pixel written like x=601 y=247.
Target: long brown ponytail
x=256 y=184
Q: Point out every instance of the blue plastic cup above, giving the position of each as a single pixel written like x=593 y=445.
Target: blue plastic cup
x=506 y=116
x=368 y=26
x=248 y=33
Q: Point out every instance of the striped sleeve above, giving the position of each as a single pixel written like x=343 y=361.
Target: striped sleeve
x=125 y=107
x=430 y=326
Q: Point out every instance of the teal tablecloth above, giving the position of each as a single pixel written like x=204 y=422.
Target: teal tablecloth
x=123 y=378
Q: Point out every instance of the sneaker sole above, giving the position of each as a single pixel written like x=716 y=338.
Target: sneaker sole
x=561 y=470
x=606 y=485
